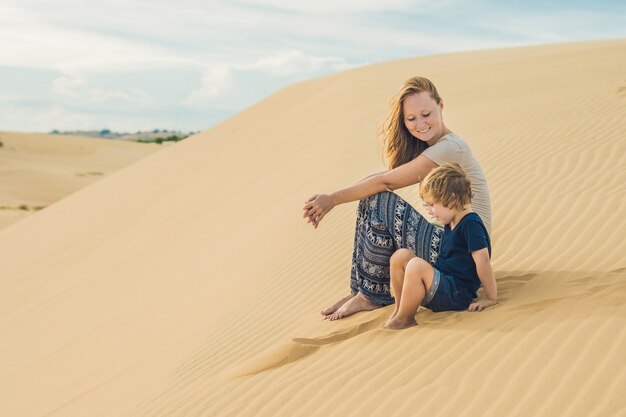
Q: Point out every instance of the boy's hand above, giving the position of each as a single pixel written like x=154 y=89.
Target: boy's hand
x=480 y=305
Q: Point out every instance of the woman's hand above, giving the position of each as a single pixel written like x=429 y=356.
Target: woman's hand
x=316 y=207
x=480 y=305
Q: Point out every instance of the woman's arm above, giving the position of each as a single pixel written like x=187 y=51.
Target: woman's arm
x=407 y=174
x=366 y=187
x=369 y=176
x=317 y=206
x=410 y=173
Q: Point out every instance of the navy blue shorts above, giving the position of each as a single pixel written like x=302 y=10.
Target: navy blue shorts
x=445 y=294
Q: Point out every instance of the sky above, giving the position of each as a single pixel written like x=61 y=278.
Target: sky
x=188 y=64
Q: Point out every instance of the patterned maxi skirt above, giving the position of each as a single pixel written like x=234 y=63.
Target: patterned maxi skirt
x=385 y=222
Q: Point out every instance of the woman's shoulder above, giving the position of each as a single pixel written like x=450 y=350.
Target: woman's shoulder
x=451 y=141
x=454 y=139
x=449 y=148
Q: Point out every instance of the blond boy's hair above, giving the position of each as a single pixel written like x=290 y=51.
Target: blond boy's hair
x=449 y=185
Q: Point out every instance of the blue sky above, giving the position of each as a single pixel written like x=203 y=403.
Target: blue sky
x=188 y=64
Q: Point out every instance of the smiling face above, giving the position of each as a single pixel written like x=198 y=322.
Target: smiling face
x=443 y=214
x=422 y=117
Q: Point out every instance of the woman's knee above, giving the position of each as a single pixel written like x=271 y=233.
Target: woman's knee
x=386 y=193
x=362 y=203
x=382 y=194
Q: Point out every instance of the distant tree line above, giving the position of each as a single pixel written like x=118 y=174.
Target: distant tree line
x=159 y=140
x=154 y=136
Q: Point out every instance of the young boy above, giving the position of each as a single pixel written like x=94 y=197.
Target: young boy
x=463 y=262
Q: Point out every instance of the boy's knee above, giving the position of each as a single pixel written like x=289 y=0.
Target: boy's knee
x=417 y=264
x=401 y=256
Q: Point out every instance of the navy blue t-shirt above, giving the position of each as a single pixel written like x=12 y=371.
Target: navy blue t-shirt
x=457 y=245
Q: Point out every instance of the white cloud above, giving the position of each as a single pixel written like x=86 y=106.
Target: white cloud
x=80 y=91
x=43 y=120
x=115 y=36
x=551 y=26
x=72 y=50
x=147 y=60
x=352 y=6
x=292 y=62
x=218 y=79
x=83 y=40
x=215 y=81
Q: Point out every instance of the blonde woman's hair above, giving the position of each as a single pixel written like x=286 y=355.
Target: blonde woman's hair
x=400 y=146
x=449 y=185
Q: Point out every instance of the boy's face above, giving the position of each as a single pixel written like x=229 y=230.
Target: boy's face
x=442 y=213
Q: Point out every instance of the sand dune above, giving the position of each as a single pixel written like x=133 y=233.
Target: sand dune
x=38 y=169
x=187 y=284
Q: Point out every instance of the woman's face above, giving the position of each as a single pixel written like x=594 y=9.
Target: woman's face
x=422 y=117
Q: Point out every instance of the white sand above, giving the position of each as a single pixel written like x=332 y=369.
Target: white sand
x=187 y=284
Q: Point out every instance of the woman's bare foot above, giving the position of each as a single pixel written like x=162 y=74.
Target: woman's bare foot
x=334 y=307
x=398 y=323
x=354 y=305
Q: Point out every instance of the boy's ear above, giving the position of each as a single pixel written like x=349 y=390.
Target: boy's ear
x=453 y=201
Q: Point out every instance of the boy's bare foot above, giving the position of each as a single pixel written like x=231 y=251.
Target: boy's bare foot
x=334 y=307
x=395 y=312
x=354 y=305
x=397 y=323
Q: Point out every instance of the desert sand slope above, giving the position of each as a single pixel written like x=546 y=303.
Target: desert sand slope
x=187 y=284
x=38 y=169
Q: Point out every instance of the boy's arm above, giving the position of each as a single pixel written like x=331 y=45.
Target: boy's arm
x=487 y=278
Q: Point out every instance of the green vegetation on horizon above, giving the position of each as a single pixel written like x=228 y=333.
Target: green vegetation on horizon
x=159 y=140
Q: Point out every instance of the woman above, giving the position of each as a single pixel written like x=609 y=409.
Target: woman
x=416 y=141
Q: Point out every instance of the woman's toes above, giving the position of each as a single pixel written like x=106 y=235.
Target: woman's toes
x=337 y=315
